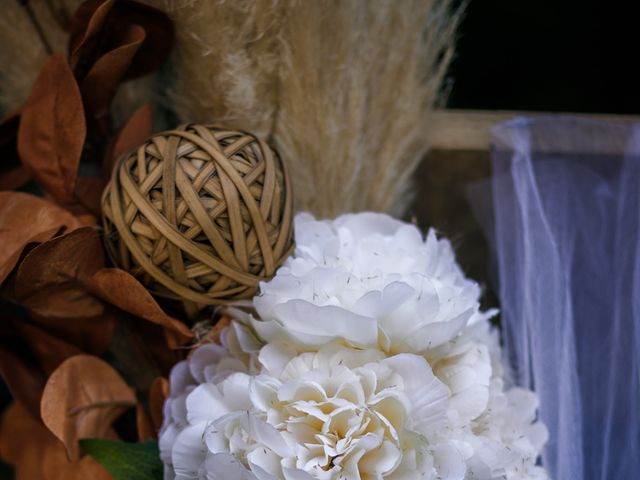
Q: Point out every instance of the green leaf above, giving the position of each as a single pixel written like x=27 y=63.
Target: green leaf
x=126 y=461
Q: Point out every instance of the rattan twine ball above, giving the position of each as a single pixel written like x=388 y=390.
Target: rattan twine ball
x=199 y=214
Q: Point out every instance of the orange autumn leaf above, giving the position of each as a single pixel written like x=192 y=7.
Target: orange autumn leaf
x=50 y=284
x=50 y=279
x=36 y=454
x=27 y=219
x=85 y=28
x=52 y=129
x=99 y=25
x=81 y=399
x=122 y=290
x=101 y=83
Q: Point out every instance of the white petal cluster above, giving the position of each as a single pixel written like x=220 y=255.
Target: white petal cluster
x=370 y=281
x=369 y=360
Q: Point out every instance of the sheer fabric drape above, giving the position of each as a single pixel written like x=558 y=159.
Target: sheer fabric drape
x=565 y=231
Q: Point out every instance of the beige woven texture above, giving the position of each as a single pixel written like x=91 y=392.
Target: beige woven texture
x=199 y=214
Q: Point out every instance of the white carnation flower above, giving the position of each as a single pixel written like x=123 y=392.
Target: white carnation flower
x=370 y=281
x=495 y=430
x=370 y=360
x=211 y=363
x=335 y=414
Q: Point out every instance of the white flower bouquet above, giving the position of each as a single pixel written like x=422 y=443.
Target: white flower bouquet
x=368 y=358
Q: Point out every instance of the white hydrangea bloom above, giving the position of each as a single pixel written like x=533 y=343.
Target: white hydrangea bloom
x=371 y=361
x=210 y=363
x=496 y=429
x=335 y=414
x=368 y=280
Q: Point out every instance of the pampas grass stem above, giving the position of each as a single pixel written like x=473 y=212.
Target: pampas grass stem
x=344 y=88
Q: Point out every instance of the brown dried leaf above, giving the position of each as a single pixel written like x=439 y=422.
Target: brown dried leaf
x=125 y=292
x=159 y=35
x=51 y=283
x=132 y=134
x=85 y=28
x=101 y=83
x=36 y=454
x=82 y=399
x=50 y=279
x=52 y=129
x=99 y=26
x=27 y=219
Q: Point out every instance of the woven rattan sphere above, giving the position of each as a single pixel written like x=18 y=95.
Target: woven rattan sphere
x=200 y=214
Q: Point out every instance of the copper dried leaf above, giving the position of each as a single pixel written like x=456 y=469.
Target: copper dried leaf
x=52 y=129
x=85 y=28
x=35 y=453
x=131 y=135
x=100 y=84
x=98 y=26
x=159 y=32
x=51 y=283
x=125 y=292
x=27 y=219
x=81 y=399
x=50 y=279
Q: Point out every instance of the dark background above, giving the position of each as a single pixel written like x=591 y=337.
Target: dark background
x=548 y=55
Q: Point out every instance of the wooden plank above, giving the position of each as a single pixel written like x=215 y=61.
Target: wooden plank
x=469 y=129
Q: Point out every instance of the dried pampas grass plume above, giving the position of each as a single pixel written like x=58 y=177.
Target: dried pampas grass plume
x=224 y=62
x=344 y=88
x=29 y=32
x=358 y=81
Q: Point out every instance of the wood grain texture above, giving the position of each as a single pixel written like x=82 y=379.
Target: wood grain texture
x=470 y=129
